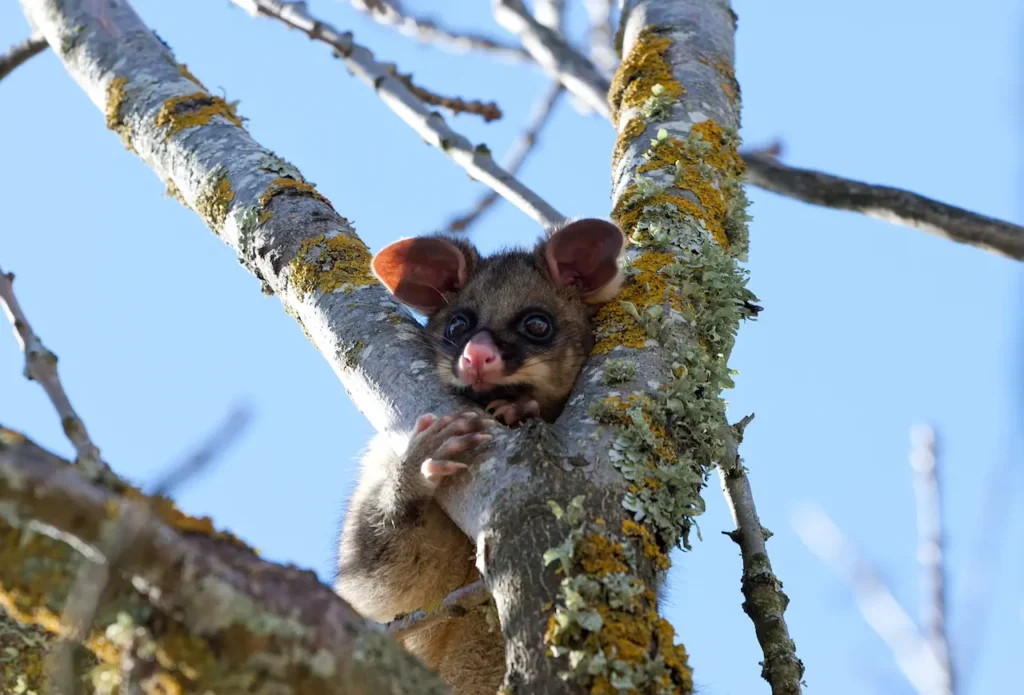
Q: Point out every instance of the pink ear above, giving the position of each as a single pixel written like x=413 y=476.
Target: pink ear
x=585 y=253
x=420 y=271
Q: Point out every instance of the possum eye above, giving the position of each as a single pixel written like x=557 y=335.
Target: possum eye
x=536 y=327
x=457 y=327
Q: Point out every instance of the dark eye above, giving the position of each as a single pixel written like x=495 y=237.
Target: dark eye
x=457 y=327
x=536 y=327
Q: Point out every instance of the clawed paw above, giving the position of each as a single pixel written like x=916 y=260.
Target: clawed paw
x=437 y=442
x=512 y=413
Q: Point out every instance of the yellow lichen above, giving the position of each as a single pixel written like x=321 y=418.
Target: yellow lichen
x=174 y=192
x=167 y=511
x=115 y=97
x=633 y=129
x=328 y=264
x=187 y=74
x=192 y=110
x=600 y=557
x=647 y=543
x=643 y=68
x=613 y=325
x=214 y=202
x=284 y=184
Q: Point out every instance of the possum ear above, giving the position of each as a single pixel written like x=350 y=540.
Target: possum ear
x=421 y=272
x=585 y=253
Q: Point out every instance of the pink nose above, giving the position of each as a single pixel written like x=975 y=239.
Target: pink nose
x=480 y=358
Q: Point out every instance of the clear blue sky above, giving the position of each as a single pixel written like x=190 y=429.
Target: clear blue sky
x=867 y=328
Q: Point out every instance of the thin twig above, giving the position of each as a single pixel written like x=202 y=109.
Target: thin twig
x=455 y=605
x=19 y=53
x=489 y=111
x=41 y=367
x=764 y=602
x=881 y=610
x=601 y=34
x=517 y=154
x=550 y=13
x=883 y=202
x=555 y=55
x=930 y=548
x=477 y=161
x=390 y=14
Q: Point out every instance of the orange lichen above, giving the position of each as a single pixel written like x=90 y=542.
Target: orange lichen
x=633 y=129
x=187 y=74
x=167 y=511
x=115 y=97
x=328 y=264
x=286 y=184
x=193 y=110
x=641 y=70
x=214 y=202
x=614 y=326
x=600 y=557
x=647 y=543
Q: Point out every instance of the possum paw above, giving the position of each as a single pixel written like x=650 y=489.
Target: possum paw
x=512 y=413
x=437 y=443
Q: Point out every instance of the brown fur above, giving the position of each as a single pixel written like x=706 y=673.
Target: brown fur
x=399 y=551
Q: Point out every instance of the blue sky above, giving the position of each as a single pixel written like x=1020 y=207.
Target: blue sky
x=867 y=328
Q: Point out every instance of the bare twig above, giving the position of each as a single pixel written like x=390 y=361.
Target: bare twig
x=93 y=578
x=555 y=56
x=881 y=610
x=517 y=154
x=927 y=492
x=600 y=34
x=764 y=601
x=550 y=13
x=477 y=161
x=489 y=111
x=455 y=605
x=41 y=367
x=19 y=53
x=389 y=14
x=885 y=203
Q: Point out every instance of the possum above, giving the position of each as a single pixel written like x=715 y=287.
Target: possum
x=510 y=332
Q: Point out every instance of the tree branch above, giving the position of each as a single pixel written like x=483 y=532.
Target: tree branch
x=477 y=161
x=881 y=610
x=600 y=34
x=517 y=154
x=886 y=203
x=201 y=614
x=554 y=55
x=41 y=367
x=930 y=549
x=19 y=53
x=455 y=605
x=764 y=601
x=424 y=30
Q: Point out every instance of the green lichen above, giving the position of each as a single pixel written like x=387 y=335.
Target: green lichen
x=605 y=621
x=381 y=654
x=350 y=353
x=194 y=110
x=326 y=265
x=214 y=200
x=615 y=371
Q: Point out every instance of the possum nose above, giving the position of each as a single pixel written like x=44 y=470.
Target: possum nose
x=480 y=358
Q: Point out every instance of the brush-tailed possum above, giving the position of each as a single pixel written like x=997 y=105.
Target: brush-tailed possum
x=511 y=332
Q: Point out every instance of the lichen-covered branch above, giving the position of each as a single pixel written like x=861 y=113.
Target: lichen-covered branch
x=41 y=367
x=764 y=601
x=554 y=55
x=911 y=652
x=202 y=614
x=476 y=160
x=388 y=13
x=19 y=53
x=520 y=150
x=886 y=203
x=930 y=548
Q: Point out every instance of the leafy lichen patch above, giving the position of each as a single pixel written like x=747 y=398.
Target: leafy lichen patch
x=644 y=68
x=193 y=110
x=619 y=323
x=326 y=265
x=605 y=620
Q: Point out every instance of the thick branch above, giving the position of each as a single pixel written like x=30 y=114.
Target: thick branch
x=41 y=367
x=764 y=601
x=911 y=652
x=19 y=53
x=427 y=31
x=476 y=160
x=517 y=154
x=930 y=548
x=886 y=203
x=203 y=614
x=554 y=55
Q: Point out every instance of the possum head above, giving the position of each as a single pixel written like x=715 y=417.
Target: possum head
x=515 y=324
